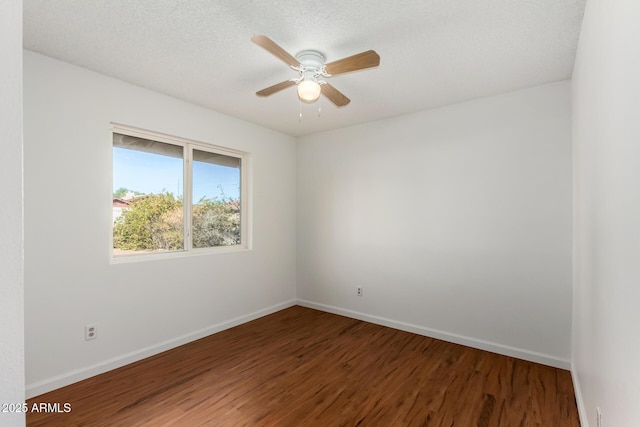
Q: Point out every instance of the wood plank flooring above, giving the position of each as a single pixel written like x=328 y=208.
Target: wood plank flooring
x=302 y=367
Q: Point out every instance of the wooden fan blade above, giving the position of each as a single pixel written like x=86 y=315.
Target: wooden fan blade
x=334 y=95
x=275 y=88
x=269 y=45
x=356 y=62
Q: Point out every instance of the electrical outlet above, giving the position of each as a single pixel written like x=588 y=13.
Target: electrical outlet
x=90 y=331
x=359 y=291
x=599 y=417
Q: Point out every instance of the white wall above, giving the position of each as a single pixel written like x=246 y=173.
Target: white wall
x=606 y=129
x=457 y=222
x=143 y=307
x=11 y=244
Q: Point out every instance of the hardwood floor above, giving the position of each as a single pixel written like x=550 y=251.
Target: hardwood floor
x=302 y=367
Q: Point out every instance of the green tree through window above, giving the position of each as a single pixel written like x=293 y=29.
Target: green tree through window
x=149 y=218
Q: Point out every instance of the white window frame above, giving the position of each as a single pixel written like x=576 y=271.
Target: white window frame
x=188 y=146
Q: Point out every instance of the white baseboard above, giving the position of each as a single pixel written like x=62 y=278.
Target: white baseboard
x=582 y=412
x=49 y=384
x=531 y=356
x=71 y=377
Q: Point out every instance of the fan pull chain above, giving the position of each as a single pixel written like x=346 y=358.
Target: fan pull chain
x=300 y=111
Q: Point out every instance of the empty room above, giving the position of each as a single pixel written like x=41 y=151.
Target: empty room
x=420 y=213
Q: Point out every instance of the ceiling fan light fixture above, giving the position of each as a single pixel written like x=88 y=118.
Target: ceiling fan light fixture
x=311 y=65
x=308 y=91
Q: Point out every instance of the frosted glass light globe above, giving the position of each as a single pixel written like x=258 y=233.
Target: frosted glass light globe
x=308 y=91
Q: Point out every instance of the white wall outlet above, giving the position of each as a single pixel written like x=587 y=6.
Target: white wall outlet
x=598 y=417
x=90 y=331
x=359 y=291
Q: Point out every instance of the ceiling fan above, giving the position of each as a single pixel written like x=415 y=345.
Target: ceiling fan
x=311 y=68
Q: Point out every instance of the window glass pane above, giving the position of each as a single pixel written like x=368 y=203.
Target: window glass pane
x=147 y=196
x=216 y=200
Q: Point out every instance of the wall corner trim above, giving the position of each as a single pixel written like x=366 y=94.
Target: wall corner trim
x=582 y=413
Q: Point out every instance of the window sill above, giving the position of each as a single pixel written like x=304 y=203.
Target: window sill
x=154 y=256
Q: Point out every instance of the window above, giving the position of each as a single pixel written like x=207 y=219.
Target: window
x=174 y=195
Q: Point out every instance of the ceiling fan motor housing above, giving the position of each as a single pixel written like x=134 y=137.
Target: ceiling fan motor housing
x=311 y=60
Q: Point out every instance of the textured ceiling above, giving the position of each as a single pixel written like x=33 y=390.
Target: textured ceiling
x=433 y=52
